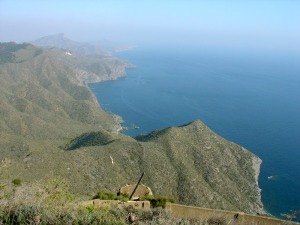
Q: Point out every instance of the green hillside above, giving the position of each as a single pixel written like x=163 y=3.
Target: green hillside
x=52 y=126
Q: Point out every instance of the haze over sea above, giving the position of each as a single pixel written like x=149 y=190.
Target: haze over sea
x=251 y=98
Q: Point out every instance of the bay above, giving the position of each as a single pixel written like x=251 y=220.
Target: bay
x=247 y=97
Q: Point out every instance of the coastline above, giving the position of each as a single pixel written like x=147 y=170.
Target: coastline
x=85 y=78
x=256 y=162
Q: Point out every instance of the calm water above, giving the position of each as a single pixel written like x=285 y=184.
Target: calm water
x=248 y=98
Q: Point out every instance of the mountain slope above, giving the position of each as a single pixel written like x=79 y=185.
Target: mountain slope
x=90 y=62
x=92 y=68
x=41 y=91
x=51 y=125
x=210 y=169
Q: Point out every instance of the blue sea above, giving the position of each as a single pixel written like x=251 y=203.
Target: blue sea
x=248 y=97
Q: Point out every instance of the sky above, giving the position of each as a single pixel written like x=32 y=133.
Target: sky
x=269 y=24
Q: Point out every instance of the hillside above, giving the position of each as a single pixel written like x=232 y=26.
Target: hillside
x=43 y=103
x=52 y=126
x=190 y=163
x=38 y=91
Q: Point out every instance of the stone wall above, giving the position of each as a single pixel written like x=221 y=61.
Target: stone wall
x=117 y=204
x=182 y=211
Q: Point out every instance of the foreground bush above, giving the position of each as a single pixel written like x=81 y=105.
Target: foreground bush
x=158 y=201
x=17 y=182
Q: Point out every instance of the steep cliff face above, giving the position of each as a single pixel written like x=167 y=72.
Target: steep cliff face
x=51 y=125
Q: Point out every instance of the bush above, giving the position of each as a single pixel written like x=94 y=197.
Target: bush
x=111 y=196
x=22 y=214
x=158 y=201
x=105 y=196
x=17 y=182
x=58 y=193
x=123 y=197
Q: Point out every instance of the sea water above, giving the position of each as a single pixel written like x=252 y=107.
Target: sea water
x=249 y=98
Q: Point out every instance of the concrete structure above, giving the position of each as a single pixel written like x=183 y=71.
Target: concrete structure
x=140 y=192
x=117 y=204
x=189 y=212
x=182 y=211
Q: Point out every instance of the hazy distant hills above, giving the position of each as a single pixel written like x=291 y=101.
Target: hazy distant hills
x=90 y=62
x=62 y=42
x=104 y=47
x=51 y=125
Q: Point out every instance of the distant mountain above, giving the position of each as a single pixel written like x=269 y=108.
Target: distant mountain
x=90 y=62
x=51 y=125
x=62 y=42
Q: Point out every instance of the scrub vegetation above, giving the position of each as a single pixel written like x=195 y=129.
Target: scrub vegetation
x=53 y=202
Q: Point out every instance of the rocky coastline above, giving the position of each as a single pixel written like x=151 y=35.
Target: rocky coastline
x=256 y=162
x=86 y=77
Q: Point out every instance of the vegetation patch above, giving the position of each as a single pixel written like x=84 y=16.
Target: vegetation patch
x=158 y=201
x=90 y=139
x=7 y=50
x=17 y=182
x=111 y=196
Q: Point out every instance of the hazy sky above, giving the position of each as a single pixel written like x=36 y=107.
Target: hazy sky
x=273 y=24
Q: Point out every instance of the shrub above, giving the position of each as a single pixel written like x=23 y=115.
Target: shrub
x=105 y=196
x=158 y=201
x=111 y=196
x=122 y=198
x=17 y=182
x=58 y=192
x=25 y=214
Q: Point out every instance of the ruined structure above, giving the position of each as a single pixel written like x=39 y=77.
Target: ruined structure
x=140 y=192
